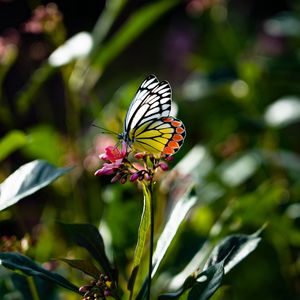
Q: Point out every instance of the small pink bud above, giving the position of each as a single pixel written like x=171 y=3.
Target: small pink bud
x=163 y=166
x=134 y=176
x=169 y=158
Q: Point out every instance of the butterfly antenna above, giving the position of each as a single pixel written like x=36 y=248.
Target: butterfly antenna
x=104 y=130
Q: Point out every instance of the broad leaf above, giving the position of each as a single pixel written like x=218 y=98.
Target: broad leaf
x=233 y=249
x=88 y=237
x=201 y=287
x=178 y=214
x=85 y=266
x=224 y=256
x=23 y=285
x=20 y=263
x=207 y=282
x=28 y=179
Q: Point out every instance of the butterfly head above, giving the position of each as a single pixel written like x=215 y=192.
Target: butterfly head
x=124 y=136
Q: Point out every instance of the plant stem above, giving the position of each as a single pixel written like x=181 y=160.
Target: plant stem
x=151 y=238
x=32 y=287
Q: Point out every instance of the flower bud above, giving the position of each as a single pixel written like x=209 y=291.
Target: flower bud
x=134 y=176
x=163 y=166
x=169 y=158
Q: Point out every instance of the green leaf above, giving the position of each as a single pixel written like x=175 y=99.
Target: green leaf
x=12 y=141
x=224 y=256
x=201 y=287
x=135 y=26
x=88 y=237
x=85 y=266
x=184 y=204
x=207 y=282
x=32 y=288
x=142 y=235
x=104 y=23
x=20 y=263
x=28 y=179
x=233 y=249
x=178 y=214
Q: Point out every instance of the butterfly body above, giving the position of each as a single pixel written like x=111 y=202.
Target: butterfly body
x=148 y=125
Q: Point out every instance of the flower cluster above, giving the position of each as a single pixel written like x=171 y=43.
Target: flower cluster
x=117 y=162
x=45 y=19
x=13 y=244
x=97 y=290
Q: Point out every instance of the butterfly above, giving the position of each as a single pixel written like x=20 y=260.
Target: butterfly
x=148 y=125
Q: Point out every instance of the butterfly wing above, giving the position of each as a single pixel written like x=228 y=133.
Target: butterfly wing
x=151 y=102
x=163 y=136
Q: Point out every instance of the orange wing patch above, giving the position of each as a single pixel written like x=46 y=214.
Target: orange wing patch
x=177 y=139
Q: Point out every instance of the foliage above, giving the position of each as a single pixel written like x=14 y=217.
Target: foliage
x=234 y=70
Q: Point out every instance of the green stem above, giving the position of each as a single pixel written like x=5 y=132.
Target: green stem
x=142 y=237
x=151 y=238
x=32 y=287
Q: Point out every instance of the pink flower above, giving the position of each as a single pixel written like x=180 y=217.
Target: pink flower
x=109 y=169
x=115 y=158
x=118 y=163
x=113 y=154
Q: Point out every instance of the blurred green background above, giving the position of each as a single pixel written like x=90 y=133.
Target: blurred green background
x=234 y=67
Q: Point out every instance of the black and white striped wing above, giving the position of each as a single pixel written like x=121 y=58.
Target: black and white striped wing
x=151 y=102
